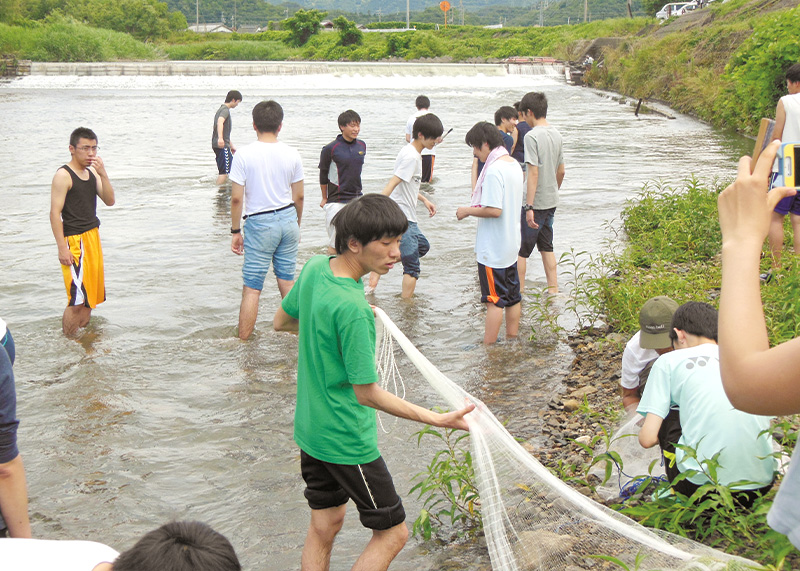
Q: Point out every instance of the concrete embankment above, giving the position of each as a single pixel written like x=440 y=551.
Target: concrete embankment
x=245 y=68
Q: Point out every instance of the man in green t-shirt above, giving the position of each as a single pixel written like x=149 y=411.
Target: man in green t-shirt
x=338 y=391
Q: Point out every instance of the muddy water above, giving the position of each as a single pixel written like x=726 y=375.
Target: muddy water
x=158 y=411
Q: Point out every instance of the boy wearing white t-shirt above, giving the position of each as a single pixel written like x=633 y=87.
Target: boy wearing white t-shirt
x=403 y=188
x=495 y=202
x=267 y=183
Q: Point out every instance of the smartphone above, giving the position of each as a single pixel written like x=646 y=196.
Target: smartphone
x=788 y=160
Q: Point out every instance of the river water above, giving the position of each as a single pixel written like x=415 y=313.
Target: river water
x=158 y=411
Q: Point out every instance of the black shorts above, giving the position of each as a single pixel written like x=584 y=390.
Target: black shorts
x=500 y=287
x=541 y=237
x=224 y=158
x=370 y=486
x=427 y=168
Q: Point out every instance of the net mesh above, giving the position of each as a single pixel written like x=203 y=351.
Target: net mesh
x=534 y=521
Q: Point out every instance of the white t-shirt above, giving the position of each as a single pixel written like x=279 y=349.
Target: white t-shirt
x=410 y=129
x=634 y=359
x=408 y=168
x=791 y=129
x=2 y=328
x=267 y=171
x=690 y=378
x=497 y=240
x=50 y=555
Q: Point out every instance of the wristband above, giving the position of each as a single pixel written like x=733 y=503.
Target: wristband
x=236 y=231
x=527 y=207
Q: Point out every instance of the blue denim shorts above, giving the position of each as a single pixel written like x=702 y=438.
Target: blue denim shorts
x=270 y=238
x=413 y=246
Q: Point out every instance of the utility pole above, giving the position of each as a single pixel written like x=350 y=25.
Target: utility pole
x=585 y=11
x=408 y=14
x=197 y=16
x=461 y=5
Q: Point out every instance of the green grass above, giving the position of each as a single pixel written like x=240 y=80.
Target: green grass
x=62 y=39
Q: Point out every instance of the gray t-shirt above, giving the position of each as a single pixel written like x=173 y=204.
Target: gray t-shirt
x=225 y=113
x=544 y=149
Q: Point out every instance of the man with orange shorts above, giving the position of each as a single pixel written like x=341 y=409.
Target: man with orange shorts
x=73 y=218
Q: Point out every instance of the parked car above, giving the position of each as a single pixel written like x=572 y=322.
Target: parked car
x=675 y=9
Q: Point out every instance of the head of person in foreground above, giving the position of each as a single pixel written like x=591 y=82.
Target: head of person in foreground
x=178 y=546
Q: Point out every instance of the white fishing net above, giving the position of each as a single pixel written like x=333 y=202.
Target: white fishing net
x=532 y=520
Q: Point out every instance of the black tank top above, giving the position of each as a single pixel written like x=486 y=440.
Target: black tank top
x=80 y=206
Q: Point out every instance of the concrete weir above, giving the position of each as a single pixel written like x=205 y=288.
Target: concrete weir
x=253 y=68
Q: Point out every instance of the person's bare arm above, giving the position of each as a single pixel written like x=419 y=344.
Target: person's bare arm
x=780 y=121
x=428 y=204
x=391 y=185
x=533 y=182
x=58 y=194
x=560 y=172
x=285 y=322
x=648 y=435
x=374 y=396
x=14 y=498
x=298 y=196
x=237 y=200
x=757 y=379
x=104 y=189
x=630 y=399
x=220 y=125
x=478 y=212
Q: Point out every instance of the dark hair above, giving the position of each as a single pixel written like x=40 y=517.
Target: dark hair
x=536 y=103
x=348 y=117
x=233 y=96
x=793 y=73
x=368 y=218
x=81 y=133
x=180 y=546
x=422 y=102
x=428 y=125
x=505 y=112
x=267 y=116
x=484 y=132
x=516 y=106
x=695 y=317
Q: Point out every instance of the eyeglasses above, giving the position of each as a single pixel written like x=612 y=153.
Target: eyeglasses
x=87 y=148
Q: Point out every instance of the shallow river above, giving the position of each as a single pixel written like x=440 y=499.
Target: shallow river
x=158 y=411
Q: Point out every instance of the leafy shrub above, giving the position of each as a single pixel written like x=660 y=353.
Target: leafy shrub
x=448 y=488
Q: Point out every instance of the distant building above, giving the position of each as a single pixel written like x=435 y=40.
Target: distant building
x=249 y=29
x=210 y=28
x=326 y=25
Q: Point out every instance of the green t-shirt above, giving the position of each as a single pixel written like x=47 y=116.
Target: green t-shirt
x=336 y=350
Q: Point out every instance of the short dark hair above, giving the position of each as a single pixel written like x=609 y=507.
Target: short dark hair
x=180 y=546
x=697 y=318
x=536 y=103
x=368 y=218
x=81 y=133
x=428 y=125
x=484 y=132
x=233 y=96
x=349 y=116
x=505 y=112
x=422 y=102
x=793 y=73
x=267 y=116
x=516 y=106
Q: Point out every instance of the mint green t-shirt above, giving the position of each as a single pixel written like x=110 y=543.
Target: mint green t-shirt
x=690 y=379
x=336 y=349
